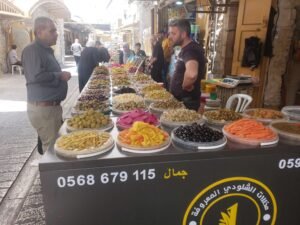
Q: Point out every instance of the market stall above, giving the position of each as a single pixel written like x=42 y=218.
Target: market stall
x=172 y=169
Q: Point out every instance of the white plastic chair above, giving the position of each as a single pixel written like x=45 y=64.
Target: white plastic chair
x=19 y=68
x=243 y=101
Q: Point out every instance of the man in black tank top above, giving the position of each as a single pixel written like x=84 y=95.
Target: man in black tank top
x=190 y=66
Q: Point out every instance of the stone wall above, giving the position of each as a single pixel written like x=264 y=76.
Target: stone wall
x=3 y=50
x=60 y=44
x=144 y=15
x=218 y=47
x=21 y=38
x=231 y=22
x=292 y=77
x=281 y=49
x=225 y=36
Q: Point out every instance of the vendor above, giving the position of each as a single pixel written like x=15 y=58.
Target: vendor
x=190 y=66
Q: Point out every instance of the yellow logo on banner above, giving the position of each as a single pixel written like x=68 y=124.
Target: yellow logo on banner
x=229 y=218
x=233 y=201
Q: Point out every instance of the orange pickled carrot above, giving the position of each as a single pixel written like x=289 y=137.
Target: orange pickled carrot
x=248 y=128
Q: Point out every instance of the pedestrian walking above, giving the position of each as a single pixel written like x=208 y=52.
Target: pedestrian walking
x=90 y=58
x=157 y=60
x=46 y=83
x=104 y=54
x=76 y=48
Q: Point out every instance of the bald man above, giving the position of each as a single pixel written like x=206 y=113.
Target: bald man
x=45 y=81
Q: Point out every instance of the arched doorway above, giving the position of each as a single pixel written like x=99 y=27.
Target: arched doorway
x=8 y=14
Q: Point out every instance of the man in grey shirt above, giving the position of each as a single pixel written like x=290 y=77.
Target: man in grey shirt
x=46 y=83
x=76 y=48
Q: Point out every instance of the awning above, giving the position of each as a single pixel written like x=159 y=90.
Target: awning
x=80 y=27
x=9 y=10
x=128 y=26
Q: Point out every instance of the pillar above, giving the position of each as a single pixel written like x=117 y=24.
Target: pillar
x=60 y=43
x=281 y=48
x=3 y=48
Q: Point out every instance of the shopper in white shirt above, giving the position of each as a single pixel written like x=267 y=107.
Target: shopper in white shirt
x=76 y=48
x=13 y=56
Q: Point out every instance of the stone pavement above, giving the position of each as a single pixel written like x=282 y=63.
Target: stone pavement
x=20 y=191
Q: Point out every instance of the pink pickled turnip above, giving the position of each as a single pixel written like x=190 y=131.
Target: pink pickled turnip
x=127 y=119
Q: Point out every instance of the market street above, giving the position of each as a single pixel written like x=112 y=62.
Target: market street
x=20 y=197
x=149 y=112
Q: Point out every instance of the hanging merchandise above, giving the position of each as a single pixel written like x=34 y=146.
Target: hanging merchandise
x=252 y=52
x=176 y=13
x=195 y=31
x=212 y=40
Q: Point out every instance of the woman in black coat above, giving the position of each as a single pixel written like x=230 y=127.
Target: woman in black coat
x=156 y=60
x=90 y=58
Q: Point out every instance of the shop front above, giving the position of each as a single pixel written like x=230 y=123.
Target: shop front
x=145 y=159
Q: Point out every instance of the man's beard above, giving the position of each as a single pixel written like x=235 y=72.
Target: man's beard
x=178 y=42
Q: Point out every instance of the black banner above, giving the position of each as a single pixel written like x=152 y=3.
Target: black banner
x=235 y=190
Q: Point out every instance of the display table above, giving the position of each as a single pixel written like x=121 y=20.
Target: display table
x=240 y=185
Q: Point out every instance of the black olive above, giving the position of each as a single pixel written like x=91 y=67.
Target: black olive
x=198 y=133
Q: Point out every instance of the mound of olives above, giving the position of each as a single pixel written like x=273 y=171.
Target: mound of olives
x=197 y=133
x=89 y=119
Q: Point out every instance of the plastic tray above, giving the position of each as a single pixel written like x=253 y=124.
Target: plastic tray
x=155 y=111
x=158 y=111
x=247 y=141
x=119 y=87
x=105 y=128
x=286 y=137
x=95 y=87
x=123 y=128
x=120 y=112
x=105 y=89
x=106 y=101
x=178 y=124
x=218 y=123
x=198 y=146
x=140 y=85
x=149 y=101
x=114 y=85
x=86 y=153
x=74 y=111
x=292 y=112
x=263 y=120
x=148 y=150
x=141 y=99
